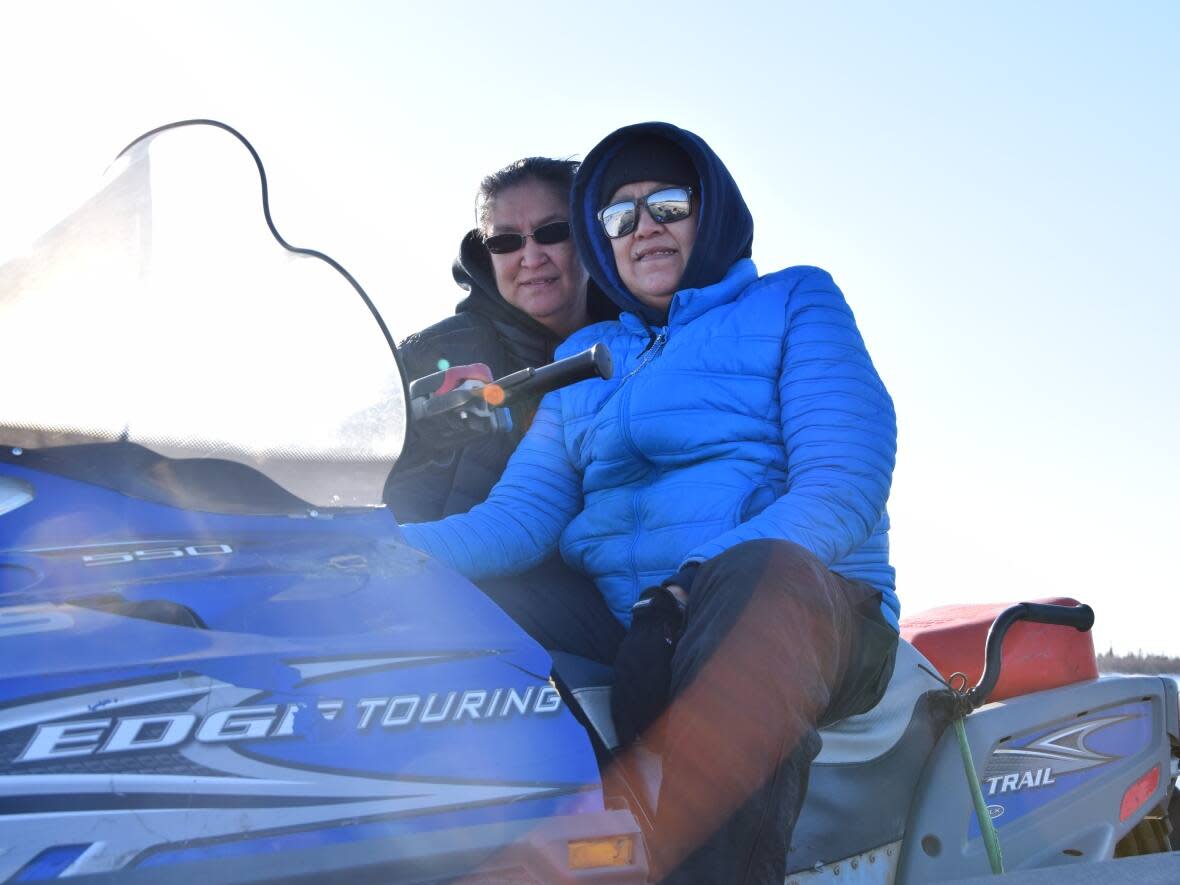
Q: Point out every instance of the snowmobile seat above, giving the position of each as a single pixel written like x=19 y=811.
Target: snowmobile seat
x=862 y=781
x=876 y=756
x=1036 y=657
x=588 y=683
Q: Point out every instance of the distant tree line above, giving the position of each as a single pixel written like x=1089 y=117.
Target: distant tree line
x=1109 y=662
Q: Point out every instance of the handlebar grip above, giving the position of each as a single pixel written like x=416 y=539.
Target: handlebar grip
x=1080 y=617
x=594 y=362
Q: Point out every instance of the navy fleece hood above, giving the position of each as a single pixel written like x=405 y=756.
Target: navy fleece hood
x=725 y=228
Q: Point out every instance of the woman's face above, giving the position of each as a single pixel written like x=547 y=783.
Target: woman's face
x=652 y=258
x=546 y=282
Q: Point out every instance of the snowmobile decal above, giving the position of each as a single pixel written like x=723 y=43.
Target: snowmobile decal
x=56 y=737
x=315 y=670
x=146 y=554
x=1041 y=777
x=1065 y=748
x=138 y=806
x=1031 y=770
x=25 y=619
x=126 y=817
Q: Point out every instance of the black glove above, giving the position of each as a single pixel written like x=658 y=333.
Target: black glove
x=643 y=664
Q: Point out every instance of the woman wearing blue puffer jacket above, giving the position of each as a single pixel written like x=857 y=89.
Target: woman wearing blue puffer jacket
x=725 y=492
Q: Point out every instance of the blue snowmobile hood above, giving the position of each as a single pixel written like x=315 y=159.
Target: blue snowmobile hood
x=725 y=228
x=215 y=645
x=266 y=682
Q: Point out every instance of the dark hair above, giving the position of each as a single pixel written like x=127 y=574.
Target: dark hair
x=559 y=174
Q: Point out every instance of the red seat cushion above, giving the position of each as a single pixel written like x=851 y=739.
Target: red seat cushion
x=1036 y=656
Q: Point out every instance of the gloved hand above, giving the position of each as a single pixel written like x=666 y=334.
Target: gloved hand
x=643 y=664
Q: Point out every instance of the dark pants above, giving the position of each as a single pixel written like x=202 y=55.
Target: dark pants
x=560 y=608
x=774 y=646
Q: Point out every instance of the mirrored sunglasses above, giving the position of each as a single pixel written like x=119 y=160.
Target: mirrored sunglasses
x=545 y=235
x=665 y=206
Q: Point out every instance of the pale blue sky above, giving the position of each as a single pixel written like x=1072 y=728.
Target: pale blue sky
x=994 y=186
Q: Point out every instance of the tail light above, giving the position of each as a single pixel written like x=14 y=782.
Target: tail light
x=1138 y=793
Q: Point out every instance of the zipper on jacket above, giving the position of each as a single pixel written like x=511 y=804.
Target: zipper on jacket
x=653 y=350
x=649 y=353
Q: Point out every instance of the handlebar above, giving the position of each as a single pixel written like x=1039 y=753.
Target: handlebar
x=451 y=419
x=1080 y=617
x=594 y=362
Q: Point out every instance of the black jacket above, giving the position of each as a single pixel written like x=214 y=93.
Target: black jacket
x=485 y=329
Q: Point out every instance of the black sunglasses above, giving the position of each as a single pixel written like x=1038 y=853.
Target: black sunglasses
x=545 y=235
x=665 y=206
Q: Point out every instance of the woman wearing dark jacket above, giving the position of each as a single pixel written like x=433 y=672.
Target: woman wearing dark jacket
x=527 y=292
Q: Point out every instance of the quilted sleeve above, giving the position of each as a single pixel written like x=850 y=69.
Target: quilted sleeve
x=838 y=428
x=520 y=523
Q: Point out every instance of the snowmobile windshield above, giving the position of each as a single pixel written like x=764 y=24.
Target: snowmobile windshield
x=167 y=314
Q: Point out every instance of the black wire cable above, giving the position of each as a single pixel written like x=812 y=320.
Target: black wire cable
x=331 y=262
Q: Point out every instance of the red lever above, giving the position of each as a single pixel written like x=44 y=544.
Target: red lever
x=456 y=375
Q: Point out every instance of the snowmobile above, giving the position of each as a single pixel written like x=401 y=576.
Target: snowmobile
x=219 y=662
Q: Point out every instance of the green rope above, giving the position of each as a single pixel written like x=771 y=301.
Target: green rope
x=990 y=839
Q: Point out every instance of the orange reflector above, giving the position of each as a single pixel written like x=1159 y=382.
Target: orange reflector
x=493 y=394
x=1138 y=793
x=610 y=851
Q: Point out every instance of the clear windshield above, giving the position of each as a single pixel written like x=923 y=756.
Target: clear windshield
x=163 y=312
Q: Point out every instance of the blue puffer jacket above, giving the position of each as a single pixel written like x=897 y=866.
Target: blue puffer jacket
x=754 y=411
